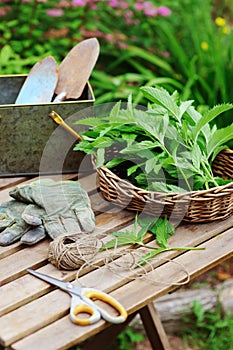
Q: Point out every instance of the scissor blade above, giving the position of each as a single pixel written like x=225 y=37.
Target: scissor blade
x=51 y=280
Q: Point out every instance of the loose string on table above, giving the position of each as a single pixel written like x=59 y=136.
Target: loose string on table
x=79 y=251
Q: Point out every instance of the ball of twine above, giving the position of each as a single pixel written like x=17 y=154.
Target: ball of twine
x=71 y=251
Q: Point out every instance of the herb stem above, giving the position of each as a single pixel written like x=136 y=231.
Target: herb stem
x=211 y=178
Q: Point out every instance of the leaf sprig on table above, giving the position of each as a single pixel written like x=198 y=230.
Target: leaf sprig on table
x=161 y=228
x=169 y=147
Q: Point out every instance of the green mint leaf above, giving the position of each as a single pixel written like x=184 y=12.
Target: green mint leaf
x=156 y=125
x=132 y=169
x=222 y=182
x=183 y=107
x=114 y=162
x=209 y=116
x=162 y=229
x=100 y=157
x=163 y=98
x=115 y=111
x=139 y=146
x=90 y=121
x=196 y=156
x=219 y=138
x=121 y=238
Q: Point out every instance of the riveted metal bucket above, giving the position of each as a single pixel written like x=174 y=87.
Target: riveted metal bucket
x=31 y=142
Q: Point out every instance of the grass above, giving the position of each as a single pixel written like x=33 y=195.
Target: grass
x=208 y=330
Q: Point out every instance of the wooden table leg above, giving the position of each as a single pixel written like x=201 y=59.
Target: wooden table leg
x=154 y=328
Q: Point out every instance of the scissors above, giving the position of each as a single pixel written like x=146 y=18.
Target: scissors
x=82 y=302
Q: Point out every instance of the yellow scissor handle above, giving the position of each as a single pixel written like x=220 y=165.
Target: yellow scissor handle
x=78 y=307
x=88 y=294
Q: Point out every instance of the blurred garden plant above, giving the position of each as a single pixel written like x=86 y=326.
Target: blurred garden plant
x=185 y=44
x=31 y=29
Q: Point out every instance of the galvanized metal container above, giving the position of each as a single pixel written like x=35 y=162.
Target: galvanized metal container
x=31 y=142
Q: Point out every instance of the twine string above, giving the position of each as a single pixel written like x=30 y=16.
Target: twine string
x=79 y=252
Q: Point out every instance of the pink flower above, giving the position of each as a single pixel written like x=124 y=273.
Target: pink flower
x=113 y=3
x=78 y=2
x=166 y=54
x=147 y=7
x=139 y=7
x=151 y=11
x=3 y=12
x=55 y=12
x=123 y=5
x=164 y=11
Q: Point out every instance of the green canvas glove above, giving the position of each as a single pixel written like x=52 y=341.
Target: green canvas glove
x=66 y=204
x=13 y=228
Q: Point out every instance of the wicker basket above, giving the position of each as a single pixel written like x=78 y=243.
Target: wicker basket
x=196 y=206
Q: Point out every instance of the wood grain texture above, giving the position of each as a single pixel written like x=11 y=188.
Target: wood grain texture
x=35 y=315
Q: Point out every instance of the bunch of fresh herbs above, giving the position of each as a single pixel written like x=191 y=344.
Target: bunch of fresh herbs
x=167 y=147
x=162 y=230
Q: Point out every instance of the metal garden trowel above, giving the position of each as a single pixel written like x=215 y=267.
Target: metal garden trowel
x=40 y=83
x=76 y=69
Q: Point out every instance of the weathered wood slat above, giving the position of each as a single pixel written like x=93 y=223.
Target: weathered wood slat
x=9 y=302
x=87 y=182
x=34 y=315
x=184 y=236
x=217 y=249
x=14 y=266
x=62 y=333
x=108 y=280
x=11 y=181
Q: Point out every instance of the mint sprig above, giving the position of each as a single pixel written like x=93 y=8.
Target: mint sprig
x=162 y=229
x=168 y=147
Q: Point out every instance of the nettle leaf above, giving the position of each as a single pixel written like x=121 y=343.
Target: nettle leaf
x=130 y=105
x=121 y=238
x=151 y=164
x=209 y=116
x=219 y=138
x=154 y=124
x=167 y=188
x=114 y=162
x=162 y=229
x=139 y=146
x=196 y=156
x=90 y=121
x=216 y=152
x=222 y=182
x=193 y=114
x=184 y=106
x=163 y=98
x=129 y=138
x=141 y=180
x=102 y=142
x=132 y=169
x=109 y=129
x=127 y=237
x=115 y=111
x=199 y=182
x=84 y=147
x=100 y=157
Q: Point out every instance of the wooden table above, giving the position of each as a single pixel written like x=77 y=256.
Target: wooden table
x=34 y=315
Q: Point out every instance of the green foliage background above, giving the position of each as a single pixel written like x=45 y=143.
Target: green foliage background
x=187 y=50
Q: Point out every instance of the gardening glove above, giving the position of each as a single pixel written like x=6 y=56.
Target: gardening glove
x=66 y=204
x=14 y=228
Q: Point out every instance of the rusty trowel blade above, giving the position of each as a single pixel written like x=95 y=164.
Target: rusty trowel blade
x=40 y=83
x=76 y=68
